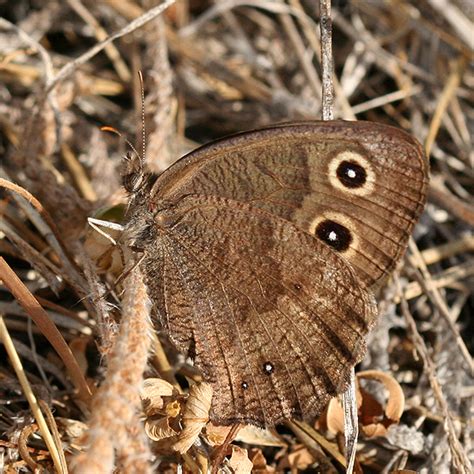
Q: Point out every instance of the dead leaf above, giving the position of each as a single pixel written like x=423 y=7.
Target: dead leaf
x=195 y=416
x=159 y=429
x=374 y=419
x=152 y=394
x=239 y=461
x=216 y=435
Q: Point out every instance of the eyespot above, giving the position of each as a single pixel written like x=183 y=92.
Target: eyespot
x=244 y=385
x=337 y=230
x=298 y=286
x=268 y=368
x=351 y=172
x=334 y=234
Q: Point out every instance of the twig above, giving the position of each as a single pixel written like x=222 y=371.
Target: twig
x=47 y=327
x=426 y=282
x=460 y=459
x=71 y=66
x=30 y=396
x=326 y=60
x=351 y=423
x=449 y=90
x=111 y=51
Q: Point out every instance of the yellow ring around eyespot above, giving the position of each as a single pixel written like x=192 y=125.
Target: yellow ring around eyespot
x=369 y=184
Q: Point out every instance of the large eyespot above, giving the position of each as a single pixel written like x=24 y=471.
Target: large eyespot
x=334 y=234
x=352 y=173
x=336 y=230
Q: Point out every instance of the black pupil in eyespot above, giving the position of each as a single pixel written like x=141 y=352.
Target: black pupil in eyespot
x=351 y=174
x=334 y=234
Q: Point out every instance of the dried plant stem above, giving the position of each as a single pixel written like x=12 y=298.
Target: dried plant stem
x=442 y=197
x=351 y=423
x=326 y=60
x=452 y=276
x=162 y=364
x=435 y=254
x=312 y=439
x=71 y=66
x=78 y=173
x=449 y=90
x=426 y=282
x=114 y=424
x=305 y=60
x=47 y=327
x=52 y=235
x=55 y=432
x=112 y=52
x=460 y=459
x=30 y=396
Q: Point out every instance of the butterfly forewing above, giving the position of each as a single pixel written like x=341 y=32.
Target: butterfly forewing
x=357 y=186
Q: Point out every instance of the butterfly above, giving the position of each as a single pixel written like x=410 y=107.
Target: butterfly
x=262 y=251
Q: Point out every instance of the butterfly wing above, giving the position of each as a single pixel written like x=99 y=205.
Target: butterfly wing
x=273 y=317
x=358 y=186
x=260 y=252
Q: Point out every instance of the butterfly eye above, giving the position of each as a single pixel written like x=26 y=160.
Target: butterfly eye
x=334 y=234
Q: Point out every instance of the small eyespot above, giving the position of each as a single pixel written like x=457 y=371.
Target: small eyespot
x=351 y=174
x=268 y=368
x=298 y=286
x=334 y=234
x=244 y=385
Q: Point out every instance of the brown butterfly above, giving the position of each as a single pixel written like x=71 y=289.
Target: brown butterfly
x=261 y=252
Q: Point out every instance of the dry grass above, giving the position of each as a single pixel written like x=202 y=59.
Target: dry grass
x=213 y=68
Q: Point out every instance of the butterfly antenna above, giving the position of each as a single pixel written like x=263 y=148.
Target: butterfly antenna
x=106 y=128
x=142 y=90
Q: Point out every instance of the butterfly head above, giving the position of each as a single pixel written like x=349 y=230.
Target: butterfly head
x=149 y=218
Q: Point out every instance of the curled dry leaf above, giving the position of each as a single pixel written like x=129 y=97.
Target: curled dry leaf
x=152 y=394
x=73 y=429
x=159 y=429
x=195 y=416
x=161 y=407
x=373 y=418
x=239 y=461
